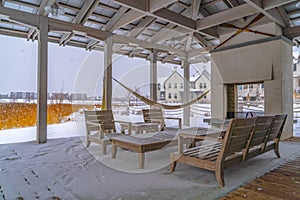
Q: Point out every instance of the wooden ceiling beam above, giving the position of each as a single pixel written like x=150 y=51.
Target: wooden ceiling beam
x=292 y=32
x=130 y=16
x=140 y=27
x=80 y=18
x=273 y=15
x=226 y=16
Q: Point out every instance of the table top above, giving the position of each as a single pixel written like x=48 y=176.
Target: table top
x=158 y=137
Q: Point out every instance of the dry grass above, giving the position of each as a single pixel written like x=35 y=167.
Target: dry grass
x=17 y=115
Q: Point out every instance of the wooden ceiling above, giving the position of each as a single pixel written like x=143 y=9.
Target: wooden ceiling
x=178 y=29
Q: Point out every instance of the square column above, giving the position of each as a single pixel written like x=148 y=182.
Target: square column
x=42 y=73
x=108 y=73
x=186 y=91
x=153 y=74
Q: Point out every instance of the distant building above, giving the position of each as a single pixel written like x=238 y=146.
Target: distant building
x=78 y=96
x=4 y=96
x=23 y=95
x=296 y=77
x=171 y=89
x=251 y=92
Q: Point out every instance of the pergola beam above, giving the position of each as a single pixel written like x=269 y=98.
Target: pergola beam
x=130 y=16
x=292 y=32
x=225 y=16
x=124 y=39
x=160 y=12
x=79 y=19
x=155 y=5
x=24 y=17
x=258 y=5
x=200 y=39
x=140 y=27
x=117 y=16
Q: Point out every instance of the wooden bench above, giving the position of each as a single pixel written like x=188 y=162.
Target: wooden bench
x=244 y=139
x=100 y=127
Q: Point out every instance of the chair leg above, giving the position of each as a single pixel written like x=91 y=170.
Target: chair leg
x=104 y=147
x=87 y=143
x=276 y=149
x=220 y=175
x=173 y=166
x=173 y=162
x=113 y=150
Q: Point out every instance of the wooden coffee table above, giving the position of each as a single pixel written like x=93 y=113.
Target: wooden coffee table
x=142 y=145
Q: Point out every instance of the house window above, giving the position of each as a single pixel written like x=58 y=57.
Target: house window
x=181 y=85
x=175 y=96
x=294 y=67
x=200 y=86
x=262 y=86
x=170 y=85
x=175 y=85
x=204 y=85
x=169 y=96
x=245 y=86
x=251 y=86
x=158 y=86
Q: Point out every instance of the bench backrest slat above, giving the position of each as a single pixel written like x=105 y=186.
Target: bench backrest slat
x=236 y=137
x=276 y=127
x=262 y=128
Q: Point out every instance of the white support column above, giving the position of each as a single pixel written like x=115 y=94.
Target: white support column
x=153 y=74
x=42 y=73
x=186 y=92
x=108 y=72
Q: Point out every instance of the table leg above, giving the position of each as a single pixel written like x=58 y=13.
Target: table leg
x=141 y=160
x=113 y=150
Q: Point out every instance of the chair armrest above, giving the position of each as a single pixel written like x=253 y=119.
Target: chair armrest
x=176 y=118
x=93 y=124
x=123 y=122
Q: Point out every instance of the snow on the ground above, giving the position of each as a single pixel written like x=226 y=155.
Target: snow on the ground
x=63 y=130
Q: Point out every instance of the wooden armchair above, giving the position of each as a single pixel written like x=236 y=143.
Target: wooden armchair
x=100 y=127
x=156 y=116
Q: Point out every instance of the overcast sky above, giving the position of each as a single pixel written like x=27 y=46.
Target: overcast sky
x=70 y=69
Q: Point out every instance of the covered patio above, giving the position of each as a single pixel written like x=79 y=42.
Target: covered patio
x=247 y=41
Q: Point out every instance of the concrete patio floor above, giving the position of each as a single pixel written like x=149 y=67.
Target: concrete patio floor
x=64 y=169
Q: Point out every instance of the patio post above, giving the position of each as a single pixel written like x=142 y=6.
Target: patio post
x=108 y=72
x=186 y=91
x=153 y=74
x=42 y=75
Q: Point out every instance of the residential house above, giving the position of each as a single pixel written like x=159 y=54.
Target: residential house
x=170 y=89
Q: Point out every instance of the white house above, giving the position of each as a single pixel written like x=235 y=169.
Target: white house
x=170 y=89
